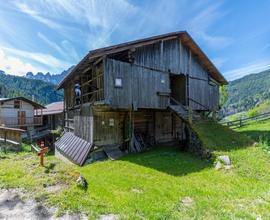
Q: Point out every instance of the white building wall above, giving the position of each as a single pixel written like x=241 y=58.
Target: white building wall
x=10 y=114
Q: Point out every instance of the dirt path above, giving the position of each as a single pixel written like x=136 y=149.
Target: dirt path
x=15 y=205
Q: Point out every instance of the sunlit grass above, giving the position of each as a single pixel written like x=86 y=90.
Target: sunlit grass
x=151 y=185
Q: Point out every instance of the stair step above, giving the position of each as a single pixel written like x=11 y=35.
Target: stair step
x=182 y=112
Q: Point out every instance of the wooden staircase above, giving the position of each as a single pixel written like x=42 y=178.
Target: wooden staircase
x=182 y=111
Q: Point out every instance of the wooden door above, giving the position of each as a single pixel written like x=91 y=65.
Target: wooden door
x=163 y=127
x=21 y=118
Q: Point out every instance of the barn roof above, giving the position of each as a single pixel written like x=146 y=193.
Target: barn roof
x=35 y=104
x=74 y=148
x=53 y=108
x=186 y=39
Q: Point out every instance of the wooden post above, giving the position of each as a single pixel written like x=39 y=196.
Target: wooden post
x=131 y=143
x=189 y=115
x=42 y=160
x=41 y=118
x=41 y=155
x=5 y=141
x=214 y=115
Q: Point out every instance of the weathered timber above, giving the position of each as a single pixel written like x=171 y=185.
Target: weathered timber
x=150 y=87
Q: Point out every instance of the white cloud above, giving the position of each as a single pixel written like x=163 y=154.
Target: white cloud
x=248 y=69
x=66 y=50
x=45 y=59
x=36 y=14
x=219 y=61
x=200 y=24
x=51 y=43
x=46 y=13
x=88 y=20
x=13 y=65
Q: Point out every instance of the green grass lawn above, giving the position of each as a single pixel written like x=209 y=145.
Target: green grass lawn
x=151 y=185
x=259 y=131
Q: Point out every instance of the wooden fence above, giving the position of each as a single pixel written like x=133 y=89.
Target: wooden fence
x=244 y=121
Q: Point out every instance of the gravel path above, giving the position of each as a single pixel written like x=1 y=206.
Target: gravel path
x=14 y=204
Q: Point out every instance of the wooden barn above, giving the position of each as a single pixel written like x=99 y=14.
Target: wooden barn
x=52 y=119
x=53 y=115
x=136 y=94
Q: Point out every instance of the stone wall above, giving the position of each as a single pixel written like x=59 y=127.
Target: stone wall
x=194 y=145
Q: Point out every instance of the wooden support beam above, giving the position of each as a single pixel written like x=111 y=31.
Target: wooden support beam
x=87 y=69
x=98 y=61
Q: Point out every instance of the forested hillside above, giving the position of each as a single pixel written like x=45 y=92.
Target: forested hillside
x=43 y=92
x=247 y=92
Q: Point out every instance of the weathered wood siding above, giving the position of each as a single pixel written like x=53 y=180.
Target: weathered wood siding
x=108 y=128
x=154 y=126
x=69 y=95
x=83 y=123
x=173 y=56
x=141 y=87
x=83 y=127
x=168 y=127
x=146 y=81
x=168 y=55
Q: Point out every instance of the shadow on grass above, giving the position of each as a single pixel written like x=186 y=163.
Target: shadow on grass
x=168 y=160
x=257 y=135
x=3 y=157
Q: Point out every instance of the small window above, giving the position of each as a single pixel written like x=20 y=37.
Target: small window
x=111 y=122
x=17 y=104
x=118 y=83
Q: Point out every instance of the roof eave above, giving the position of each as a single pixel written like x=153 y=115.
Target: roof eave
x=124 y=46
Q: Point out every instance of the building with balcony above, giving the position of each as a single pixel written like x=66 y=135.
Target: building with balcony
x=137 y=94
x=20 y=112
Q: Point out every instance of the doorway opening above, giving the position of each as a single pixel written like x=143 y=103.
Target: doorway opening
x=178 y=88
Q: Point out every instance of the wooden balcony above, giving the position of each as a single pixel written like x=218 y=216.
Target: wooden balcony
x=21 y=121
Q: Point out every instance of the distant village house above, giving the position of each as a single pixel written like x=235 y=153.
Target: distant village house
x=20 y=112
x=16 y=116
x=53 y=115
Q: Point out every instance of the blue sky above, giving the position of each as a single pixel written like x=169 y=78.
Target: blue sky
x=52 y=35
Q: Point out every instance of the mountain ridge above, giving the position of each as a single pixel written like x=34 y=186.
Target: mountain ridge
x=247 y=92
x=48 y=77
x=14 y=86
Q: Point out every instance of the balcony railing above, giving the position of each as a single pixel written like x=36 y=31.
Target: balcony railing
x=69 y=124
x=21 y=121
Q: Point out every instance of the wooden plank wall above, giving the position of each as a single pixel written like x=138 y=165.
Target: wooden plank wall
x=167 y=127
x=159 y=126
x=168 y=55
x=174 y=56
x=140 y=86
x=106 y=132
x=83 y=127
x=83 y=122
x=69 y=95
x=144 y=123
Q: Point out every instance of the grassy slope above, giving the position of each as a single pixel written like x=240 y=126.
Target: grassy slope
x=162 y=177
x=257 y=130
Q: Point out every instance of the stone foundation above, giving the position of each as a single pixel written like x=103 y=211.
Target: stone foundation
x=195 y=145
